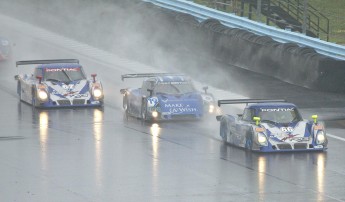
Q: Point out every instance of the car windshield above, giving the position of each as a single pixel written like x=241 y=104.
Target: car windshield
x=65 y=75
x=174 y=88
x=280 y=115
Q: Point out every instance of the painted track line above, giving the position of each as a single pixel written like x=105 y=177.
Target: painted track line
x=335 y=137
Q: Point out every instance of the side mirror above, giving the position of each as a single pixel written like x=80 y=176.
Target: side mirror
x=94 y=77
x=39 y=79
x=205 y=88
x=16 y=77
x=257 y=120
x=151 y=91
x=315 y=118
x=123 y=91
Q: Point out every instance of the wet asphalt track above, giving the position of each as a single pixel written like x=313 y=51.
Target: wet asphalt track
x=96 y=155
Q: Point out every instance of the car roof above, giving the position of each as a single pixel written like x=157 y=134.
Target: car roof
x=59 y=65
x=172 y=78
x=271 y=105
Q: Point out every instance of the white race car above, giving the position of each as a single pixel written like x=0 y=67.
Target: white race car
x=59 y=83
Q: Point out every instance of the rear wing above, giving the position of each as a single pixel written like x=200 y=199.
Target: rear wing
x=32 y=62
x=145 y=75
x=247 y=101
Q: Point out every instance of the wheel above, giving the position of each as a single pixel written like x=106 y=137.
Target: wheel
x=249 y=141
x=230 y=136
x=143 y=112
x=126 y=107
x=19 y=90
x=33 y=98
x=224 y=131
x=125 y=103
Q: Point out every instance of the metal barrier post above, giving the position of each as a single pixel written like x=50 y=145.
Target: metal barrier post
x=305 y=10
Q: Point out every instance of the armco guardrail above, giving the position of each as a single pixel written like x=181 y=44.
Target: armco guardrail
x=202 y=13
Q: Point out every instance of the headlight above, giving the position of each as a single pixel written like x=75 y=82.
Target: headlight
x=211 y=109
x=262 y=139
x=42 y=95
x=97 y=93
x=320 y=137
x=154 y=114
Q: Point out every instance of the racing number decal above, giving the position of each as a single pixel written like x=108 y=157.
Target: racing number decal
x=152 y=101
x=287 y=129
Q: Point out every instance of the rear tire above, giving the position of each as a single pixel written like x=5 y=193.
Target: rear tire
x=19 y=90
x=224 y=131
x=126 y=107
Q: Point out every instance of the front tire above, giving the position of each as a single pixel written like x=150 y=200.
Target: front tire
x=143 y=112
x=33 y=99
x=249 y=140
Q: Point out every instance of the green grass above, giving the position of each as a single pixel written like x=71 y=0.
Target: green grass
x=334 y=10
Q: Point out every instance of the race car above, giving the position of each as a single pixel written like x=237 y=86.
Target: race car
x=165 y=96
x=4 y=49
x=271 y=126
x=59 y=83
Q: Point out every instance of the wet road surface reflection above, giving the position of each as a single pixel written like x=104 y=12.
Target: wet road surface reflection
x=155 y=132
x=281 y=172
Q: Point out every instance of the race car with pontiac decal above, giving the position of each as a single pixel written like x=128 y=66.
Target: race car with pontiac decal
x=165 y=96
x=58 y=83
x=271 y=126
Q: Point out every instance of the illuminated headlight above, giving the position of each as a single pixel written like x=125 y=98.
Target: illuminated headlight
x=262 y=139
x=97 y=93
x=211 y=109
x=42 y=95
x=320 y=137
x=154 y=114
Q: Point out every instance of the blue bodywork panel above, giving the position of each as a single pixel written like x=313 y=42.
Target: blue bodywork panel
x=169 y=96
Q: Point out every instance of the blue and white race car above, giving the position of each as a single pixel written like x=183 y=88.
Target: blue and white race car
x=271 y=126
x=166 y=96
x=59 y=83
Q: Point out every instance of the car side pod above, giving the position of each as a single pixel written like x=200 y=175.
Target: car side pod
x=123 y=91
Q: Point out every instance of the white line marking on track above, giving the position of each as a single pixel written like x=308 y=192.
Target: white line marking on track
x=335 y=137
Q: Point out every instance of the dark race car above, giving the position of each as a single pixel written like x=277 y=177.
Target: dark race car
x=166 y=96
x=271 y=126
x=59 y=83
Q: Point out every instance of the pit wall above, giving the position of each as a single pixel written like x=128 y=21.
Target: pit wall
x=289 y=62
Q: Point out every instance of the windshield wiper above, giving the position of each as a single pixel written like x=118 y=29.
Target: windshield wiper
x=178 y=91
x=268 y=121
x=54 y=80
x=67 y=75
x=295 y=119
